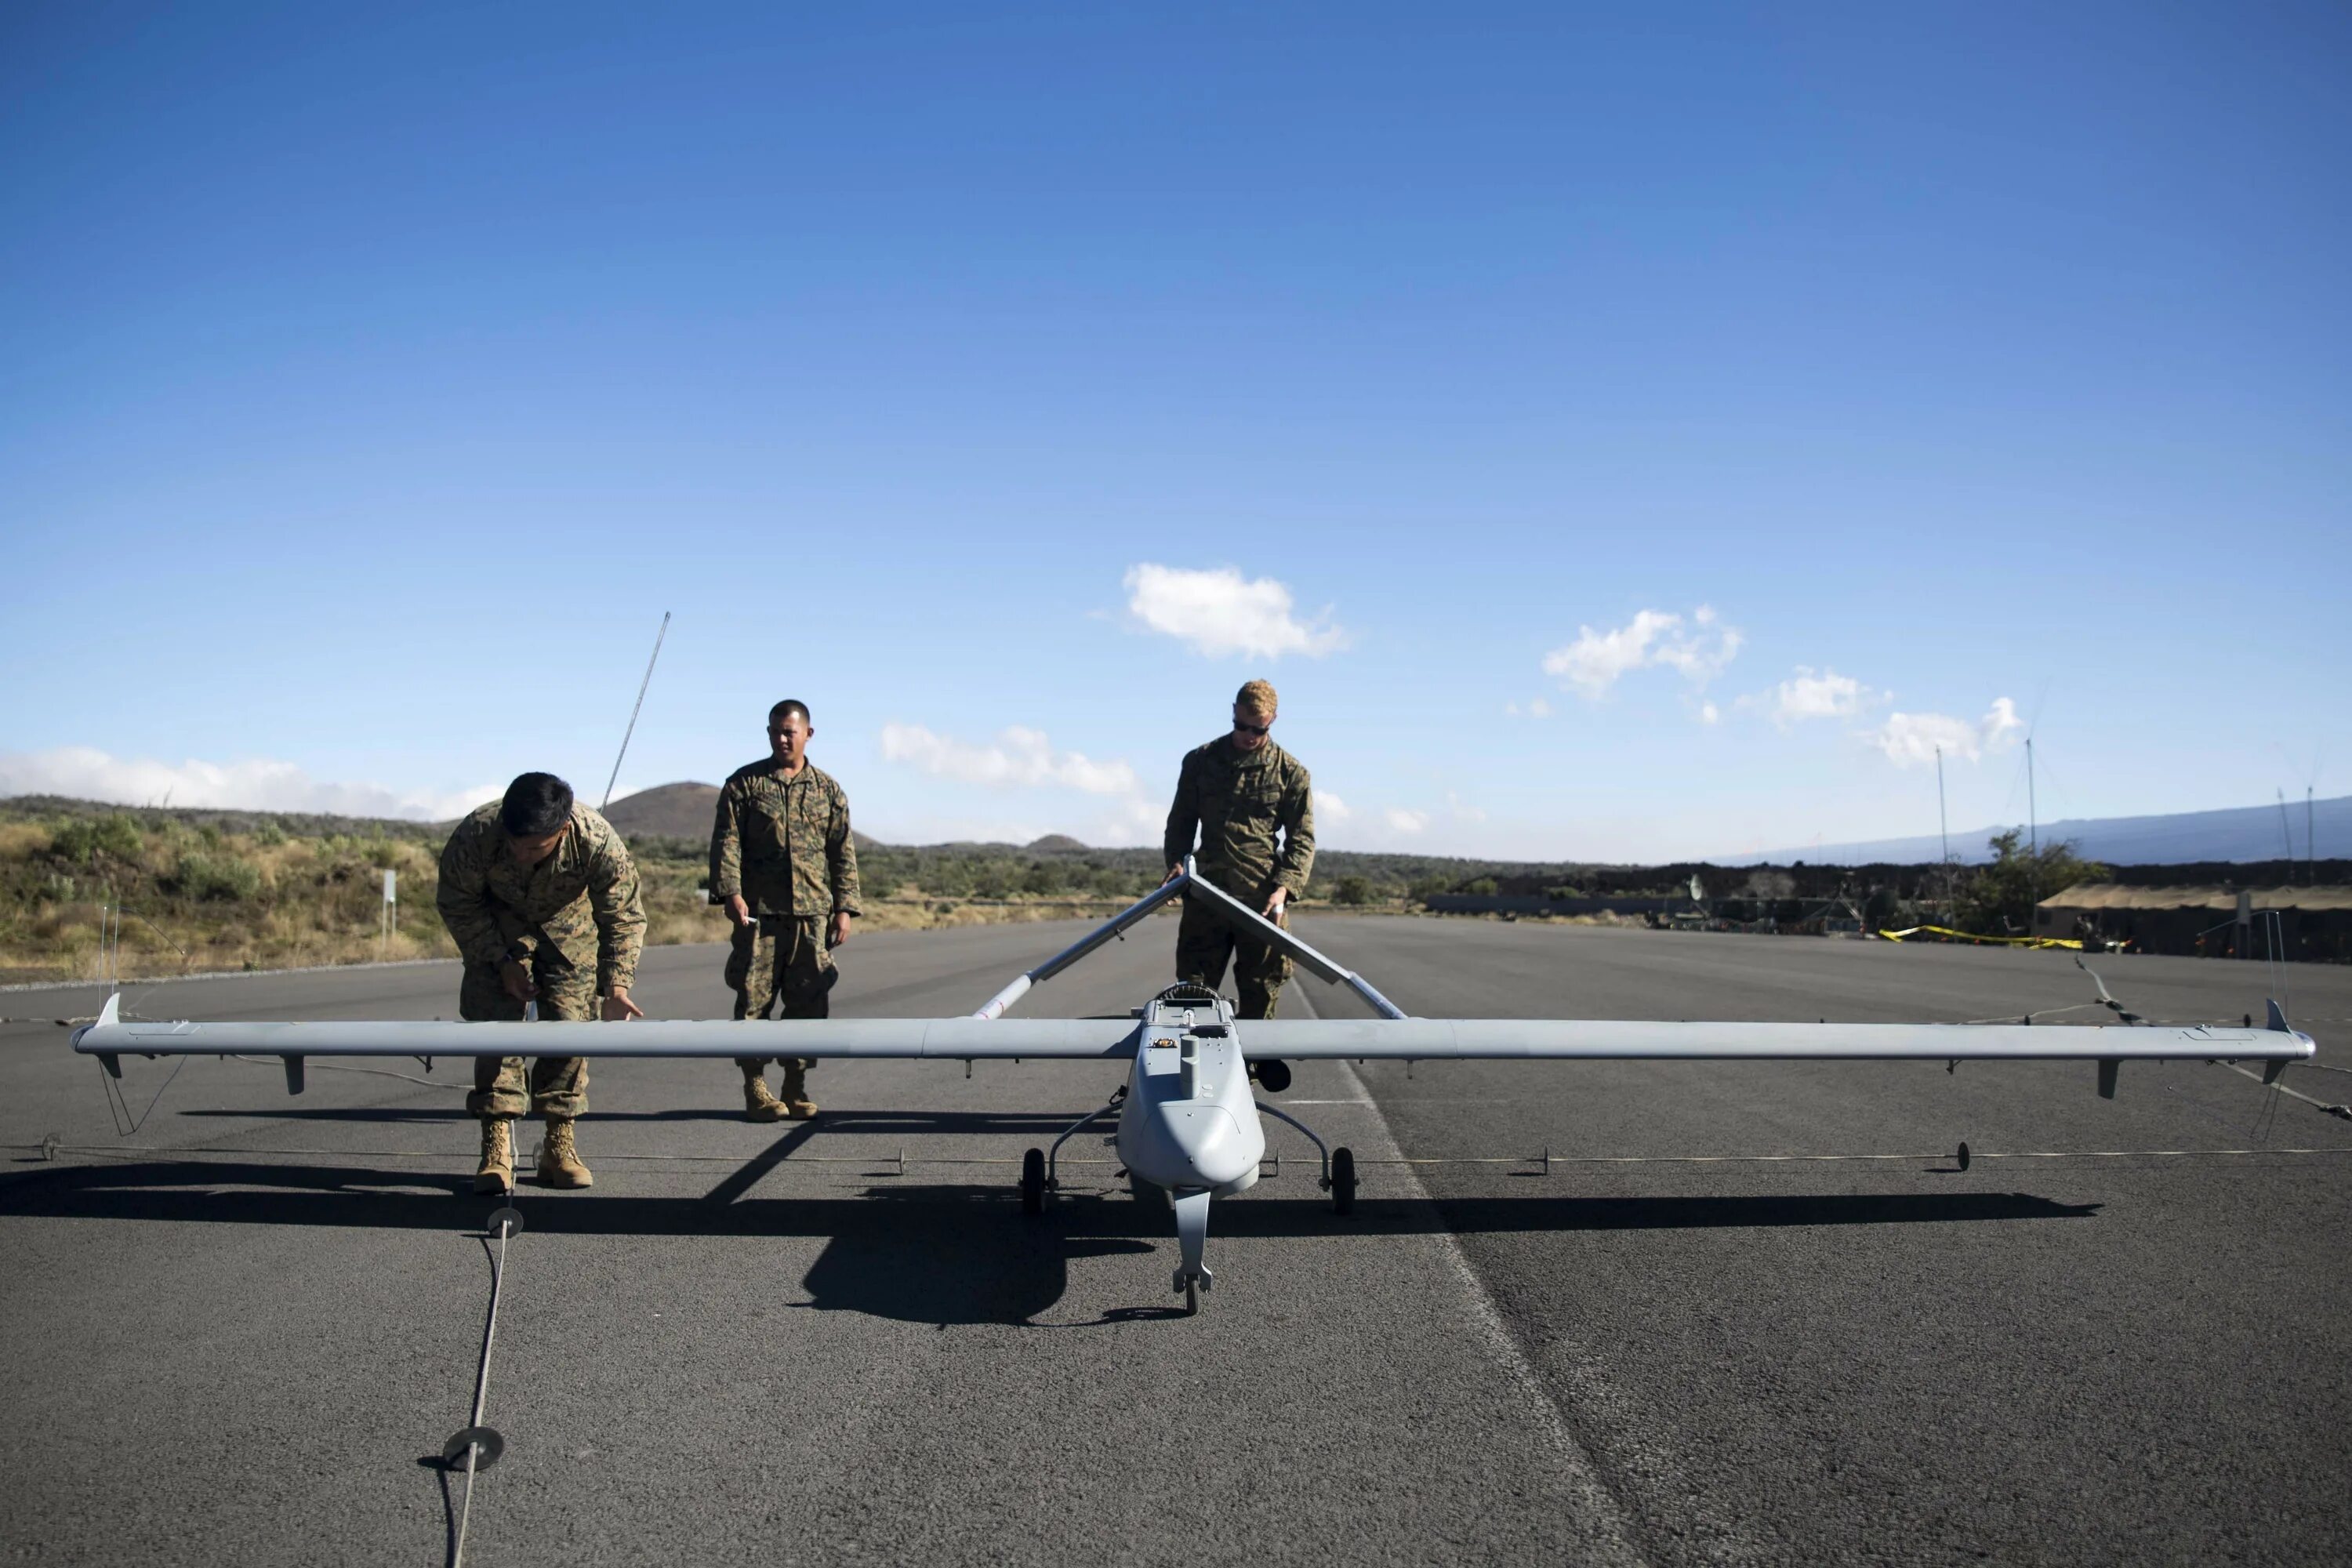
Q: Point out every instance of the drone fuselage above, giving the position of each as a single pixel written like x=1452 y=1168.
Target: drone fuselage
x=1190 y=1121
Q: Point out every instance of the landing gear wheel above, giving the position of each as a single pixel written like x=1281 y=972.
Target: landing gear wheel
x=1343 y=1180
x=1963 y=1156
x=1191 y=1297
x=1033 y=1182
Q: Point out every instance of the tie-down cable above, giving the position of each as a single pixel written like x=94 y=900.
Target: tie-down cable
x=479 y=1446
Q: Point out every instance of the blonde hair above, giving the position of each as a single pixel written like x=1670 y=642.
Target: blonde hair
x=1255 y=697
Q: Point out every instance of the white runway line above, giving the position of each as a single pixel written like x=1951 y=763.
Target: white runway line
x=1610 y=1539
x=1718 y=1539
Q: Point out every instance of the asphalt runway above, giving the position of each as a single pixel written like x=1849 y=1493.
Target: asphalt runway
x=243 y=1334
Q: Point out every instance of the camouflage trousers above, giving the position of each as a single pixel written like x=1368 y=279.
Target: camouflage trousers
x=779 y=956
x=557 y=1086
x=1204 y=943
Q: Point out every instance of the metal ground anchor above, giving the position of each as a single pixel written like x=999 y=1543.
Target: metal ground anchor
x=486 y=1442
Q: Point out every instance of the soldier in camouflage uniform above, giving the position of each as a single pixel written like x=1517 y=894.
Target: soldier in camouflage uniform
x=540 y=894
x=1242 y=792
x=784 y=865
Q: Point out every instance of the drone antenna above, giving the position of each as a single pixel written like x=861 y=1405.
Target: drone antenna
x=632 y=730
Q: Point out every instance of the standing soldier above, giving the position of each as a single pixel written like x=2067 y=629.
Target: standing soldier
x=782 y=863
x=540 y=894
x=1240 y=791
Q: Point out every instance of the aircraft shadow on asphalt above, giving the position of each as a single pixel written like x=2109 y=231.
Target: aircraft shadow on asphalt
x=932 y=1254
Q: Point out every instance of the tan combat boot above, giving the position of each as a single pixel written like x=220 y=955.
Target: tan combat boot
x=760 y=1102
x=496 y=1176
x=558 y=1157
x=797 y=1104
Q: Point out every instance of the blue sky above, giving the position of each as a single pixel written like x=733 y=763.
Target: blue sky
x=1619 y=435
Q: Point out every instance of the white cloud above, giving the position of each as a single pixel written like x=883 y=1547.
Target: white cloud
x=1401 y=820
x=1019 y=757
x=1911 y=740
x=1708 y=714
x=1540 y=708
x=1463 y=812
x=85 y=773
x=1596 y=660
x=1807 y=695
x=1136 y=820
x=1022 y=758
x=1221 y=612
x=1330 y=807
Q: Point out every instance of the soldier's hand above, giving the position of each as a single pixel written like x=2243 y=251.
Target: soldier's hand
x=738 y=910
x=840 y=927
x=1275 y=900
x=517 y=981
x=617 y=1009
x=1173 y=872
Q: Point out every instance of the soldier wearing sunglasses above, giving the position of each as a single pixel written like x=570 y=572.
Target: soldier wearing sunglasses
x=1248 y=801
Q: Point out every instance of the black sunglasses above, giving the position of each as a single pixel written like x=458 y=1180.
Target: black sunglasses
x=1252 y=729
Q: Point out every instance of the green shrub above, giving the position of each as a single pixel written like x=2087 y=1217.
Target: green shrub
x=383 y=855
x=222 y=878
x=82 y=840
x=270 y=836
x=1353 y=891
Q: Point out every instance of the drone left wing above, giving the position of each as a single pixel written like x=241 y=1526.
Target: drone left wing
x=112 y=1037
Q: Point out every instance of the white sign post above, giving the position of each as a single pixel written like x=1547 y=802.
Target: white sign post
x=390 y=920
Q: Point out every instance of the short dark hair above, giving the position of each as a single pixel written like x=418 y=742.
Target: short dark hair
x=787 y=708
x=536 y=804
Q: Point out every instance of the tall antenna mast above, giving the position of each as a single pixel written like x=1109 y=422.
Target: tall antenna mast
x=632 y=730
x=1943 y=818
x=2032 y=817
x=1944 y=824
x=2310 y=843
x=2286 y=832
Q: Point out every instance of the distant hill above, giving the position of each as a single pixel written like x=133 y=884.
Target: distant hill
x=2238 y=834
x=681 y=810
x=1053 y=843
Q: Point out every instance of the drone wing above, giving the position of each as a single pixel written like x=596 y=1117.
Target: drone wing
x=1393 y=1034
x=111 y=1038
x=1426 y=1039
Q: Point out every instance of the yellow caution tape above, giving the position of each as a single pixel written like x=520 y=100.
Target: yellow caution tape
x=1948 y=934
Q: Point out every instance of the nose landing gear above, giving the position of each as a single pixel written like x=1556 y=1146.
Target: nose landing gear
x=1192 y=1276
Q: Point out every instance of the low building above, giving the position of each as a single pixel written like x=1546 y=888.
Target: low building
x=2211 y=920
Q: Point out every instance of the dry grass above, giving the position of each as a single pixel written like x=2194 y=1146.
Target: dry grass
x=201 y=898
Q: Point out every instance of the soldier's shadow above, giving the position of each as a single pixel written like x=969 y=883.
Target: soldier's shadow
x=919 y=1256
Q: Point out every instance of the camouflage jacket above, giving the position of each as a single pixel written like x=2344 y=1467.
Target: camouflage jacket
x=783 y=844
x=1239 y=801
x=581 y=901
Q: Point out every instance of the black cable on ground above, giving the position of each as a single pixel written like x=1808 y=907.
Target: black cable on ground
x=478 y=1445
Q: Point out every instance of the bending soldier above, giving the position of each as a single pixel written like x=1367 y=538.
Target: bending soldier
x=1249 y=801
x=541 y=898
x=784 y=865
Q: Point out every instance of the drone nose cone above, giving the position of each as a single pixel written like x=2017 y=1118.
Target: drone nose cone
x=1196 y=1145
x=1213 y=1140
